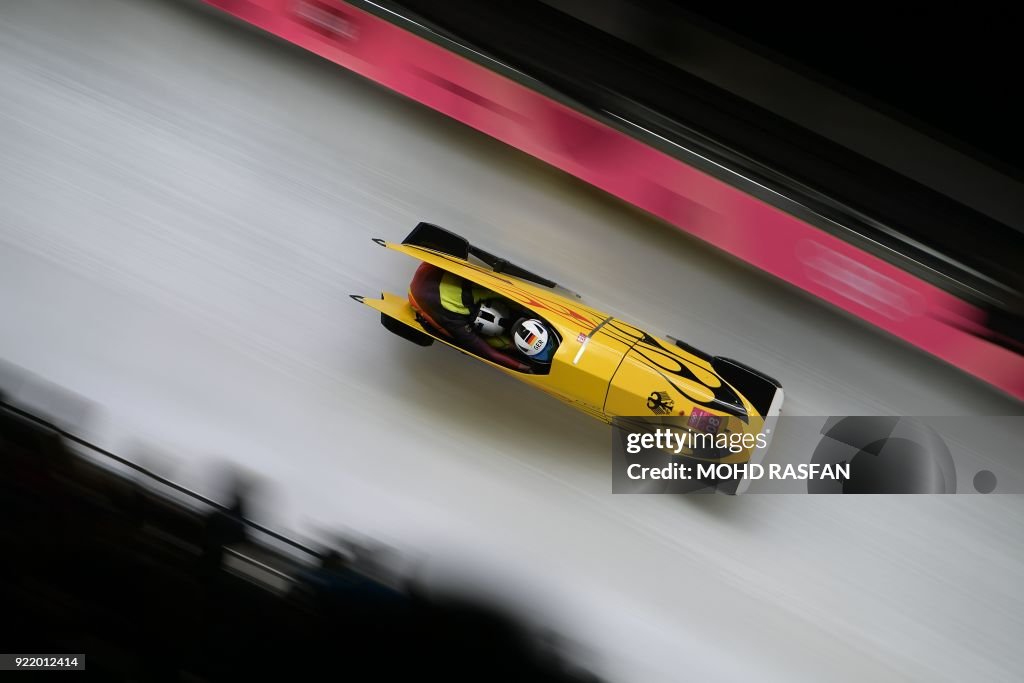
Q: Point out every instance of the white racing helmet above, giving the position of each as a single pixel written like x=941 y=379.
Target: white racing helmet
x=492 y=319
x=533 y=339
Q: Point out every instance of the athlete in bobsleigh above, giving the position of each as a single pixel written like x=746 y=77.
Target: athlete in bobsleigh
x=479 y=320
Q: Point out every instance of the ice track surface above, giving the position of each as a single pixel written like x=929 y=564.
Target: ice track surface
x=185 y=206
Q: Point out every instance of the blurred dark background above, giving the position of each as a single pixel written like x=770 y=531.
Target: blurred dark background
x=151 y=582
x=950 y=71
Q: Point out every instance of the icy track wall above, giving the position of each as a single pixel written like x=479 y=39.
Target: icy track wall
x=711 y=209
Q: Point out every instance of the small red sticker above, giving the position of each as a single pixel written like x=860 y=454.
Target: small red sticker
x=581 y=337
x=704 y=421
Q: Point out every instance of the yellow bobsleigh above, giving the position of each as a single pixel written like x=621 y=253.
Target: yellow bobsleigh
x=603 y=366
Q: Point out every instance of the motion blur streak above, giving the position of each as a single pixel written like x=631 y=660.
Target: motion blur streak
x=184 y=207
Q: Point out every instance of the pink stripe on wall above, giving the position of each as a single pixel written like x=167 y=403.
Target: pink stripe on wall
x=718 y=213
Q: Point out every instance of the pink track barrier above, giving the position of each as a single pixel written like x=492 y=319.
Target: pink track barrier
x=724 y=216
